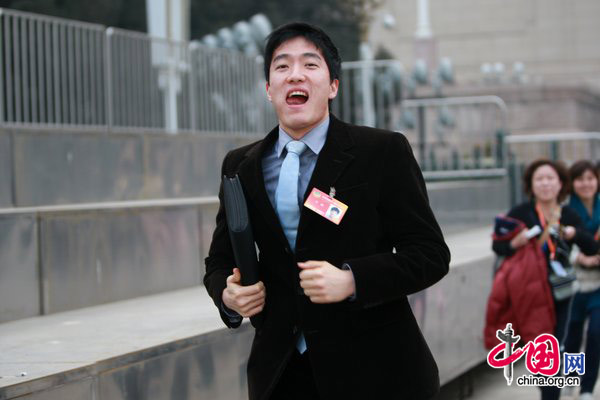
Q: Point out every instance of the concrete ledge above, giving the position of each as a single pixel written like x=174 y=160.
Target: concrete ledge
x=123 y=347
x=452 y=315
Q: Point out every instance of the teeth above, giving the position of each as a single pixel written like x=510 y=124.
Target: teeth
x=298 y=93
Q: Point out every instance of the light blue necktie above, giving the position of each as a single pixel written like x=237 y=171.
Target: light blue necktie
x=286 y=201
x=286 y=195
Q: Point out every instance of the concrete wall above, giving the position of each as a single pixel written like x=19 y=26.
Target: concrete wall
x=6 y=172
x=52 y=262
x=89 y=258
x=470 y=202
x=57 y=260
x=454 y=319
x=54 y=167
x=19 y=275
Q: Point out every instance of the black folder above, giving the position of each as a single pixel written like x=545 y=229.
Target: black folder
x=240 y=230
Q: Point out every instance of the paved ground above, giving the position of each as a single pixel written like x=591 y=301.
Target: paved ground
x=489 y=384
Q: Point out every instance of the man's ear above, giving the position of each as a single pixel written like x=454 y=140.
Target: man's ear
x=333 y=89
x=267 y=87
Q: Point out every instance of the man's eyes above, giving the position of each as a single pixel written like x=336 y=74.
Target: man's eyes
x=307 y=65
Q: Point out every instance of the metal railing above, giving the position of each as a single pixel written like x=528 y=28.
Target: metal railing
x=455 y=133
x=60 y=72
x=229 y=92
x=370 y=93
x=565 y=146
x=52 y=71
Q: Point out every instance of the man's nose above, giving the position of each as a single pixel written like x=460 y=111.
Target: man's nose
x=296 y=73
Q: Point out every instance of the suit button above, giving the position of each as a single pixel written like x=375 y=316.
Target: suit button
x=295 y=330
x=287 y=250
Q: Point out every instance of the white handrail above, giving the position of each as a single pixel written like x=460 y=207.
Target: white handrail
x=113 y=205
x=553 y=137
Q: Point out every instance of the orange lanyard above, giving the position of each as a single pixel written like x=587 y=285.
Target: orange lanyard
x=551 y=246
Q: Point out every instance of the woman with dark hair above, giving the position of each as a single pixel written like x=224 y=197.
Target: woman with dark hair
x=586 y=303
x=547 y=183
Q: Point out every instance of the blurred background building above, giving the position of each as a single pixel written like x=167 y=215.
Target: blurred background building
x=541 y=58
x=550 y=41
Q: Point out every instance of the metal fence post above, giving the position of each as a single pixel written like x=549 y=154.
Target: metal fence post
x=513 y=180
x=192 y=50
x=422 y=136
x=108 y=78
x=554 y=151
x=500 y=149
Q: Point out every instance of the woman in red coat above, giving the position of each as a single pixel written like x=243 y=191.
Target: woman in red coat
x=546 y=183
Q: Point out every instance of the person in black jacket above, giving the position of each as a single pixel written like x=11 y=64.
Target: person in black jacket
x=336 y=321
x=585 y=200
x=547 y=184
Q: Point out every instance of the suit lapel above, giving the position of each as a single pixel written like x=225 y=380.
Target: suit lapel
x=251 y=174
x=333 y=160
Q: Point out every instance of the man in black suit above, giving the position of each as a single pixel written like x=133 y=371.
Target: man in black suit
x=336 y=320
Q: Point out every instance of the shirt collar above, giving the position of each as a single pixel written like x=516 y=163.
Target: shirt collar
x=314 y=139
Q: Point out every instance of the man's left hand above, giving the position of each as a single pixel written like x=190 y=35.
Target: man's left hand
x=324 y=283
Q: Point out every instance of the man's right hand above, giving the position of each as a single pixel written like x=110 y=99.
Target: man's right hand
x=245 y=300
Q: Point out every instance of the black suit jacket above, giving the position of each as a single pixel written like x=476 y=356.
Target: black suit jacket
x=370 y=347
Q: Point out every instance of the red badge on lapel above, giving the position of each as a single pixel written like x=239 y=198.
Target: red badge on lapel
x=326 y=206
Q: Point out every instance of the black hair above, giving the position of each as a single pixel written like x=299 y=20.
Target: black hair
x=579 y=168
x=313 y=34
x=561 y=171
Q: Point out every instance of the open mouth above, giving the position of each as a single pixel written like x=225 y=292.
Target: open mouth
x=297 y=97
